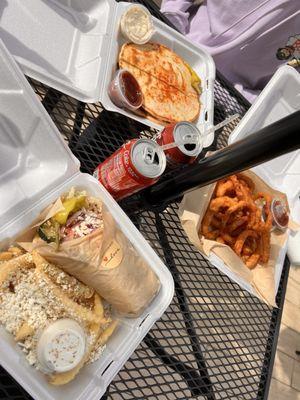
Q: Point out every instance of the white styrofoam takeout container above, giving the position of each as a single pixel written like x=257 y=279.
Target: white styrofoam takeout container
x=73 y=46
x=36 y=167
x=199 y=60
x=278 y=99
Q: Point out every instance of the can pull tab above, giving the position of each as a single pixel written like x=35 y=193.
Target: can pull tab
x=150 y=156
x=190 y=138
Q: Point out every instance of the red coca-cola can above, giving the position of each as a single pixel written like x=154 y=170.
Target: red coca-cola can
x=178 y=133
x=137 y=164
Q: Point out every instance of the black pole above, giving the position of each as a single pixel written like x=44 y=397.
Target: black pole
x=276 y=139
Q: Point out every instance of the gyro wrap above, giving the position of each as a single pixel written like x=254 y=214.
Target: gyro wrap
x=103 y=259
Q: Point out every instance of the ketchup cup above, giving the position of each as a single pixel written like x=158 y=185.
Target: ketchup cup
x=280 y=214
x=124 y=91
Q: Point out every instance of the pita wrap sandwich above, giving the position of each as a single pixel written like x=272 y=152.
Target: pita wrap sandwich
x=78 y=233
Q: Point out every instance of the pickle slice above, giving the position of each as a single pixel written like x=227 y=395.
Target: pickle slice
x=49 y=232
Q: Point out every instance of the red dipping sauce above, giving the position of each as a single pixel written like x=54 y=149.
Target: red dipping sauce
x=124 y=91
x=131 y=89
x=280 y=214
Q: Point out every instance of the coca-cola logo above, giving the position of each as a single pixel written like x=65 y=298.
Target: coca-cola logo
x=126 y=157
x=132 y=173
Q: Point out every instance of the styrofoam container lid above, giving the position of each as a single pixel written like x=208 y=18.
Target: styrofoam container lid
x=34 y=158
x=279 y=98
x=55 y=44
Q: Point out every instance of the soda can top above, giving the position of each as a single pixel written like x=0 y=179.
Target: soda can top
x=148 y=158
x=185 y=131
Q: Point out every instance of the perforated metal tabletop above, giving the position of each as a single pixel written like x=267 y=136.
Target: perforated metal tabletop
x=215 y=341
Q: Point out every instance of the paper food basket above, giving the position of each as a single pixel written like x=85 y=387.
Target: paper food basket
x=36 y=167
x=278 y=99
x=73 y=46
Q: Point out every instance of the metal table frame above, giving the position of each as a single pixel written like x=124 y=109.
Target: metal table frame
x=215 y=341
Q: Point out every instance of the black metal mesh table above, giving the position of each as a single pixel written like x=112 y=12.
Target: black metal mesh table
x=215 y=341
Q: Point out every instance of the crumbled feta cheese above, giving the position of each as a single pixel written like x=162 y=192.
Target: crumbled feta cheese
x=27 y=297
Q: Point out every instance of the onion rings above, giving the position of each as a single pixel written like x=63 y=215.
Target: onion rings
x=206 y=228
x=220 y=203
x=235 y=218
x=266 y=208
x=224 y=188
x=238 y=246
x=249 y=182
x=236 y=223
x=252 y=261
x=265 y=240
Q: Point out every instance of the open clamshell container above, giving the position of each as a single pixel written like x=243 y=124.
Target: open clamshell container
x=36 y=167
x=73 y=46
x=278 y=99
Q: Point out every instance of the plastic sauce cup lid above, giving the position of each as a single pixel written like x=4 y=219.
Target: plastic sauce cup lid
x=137 y=24
x=61 y=346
